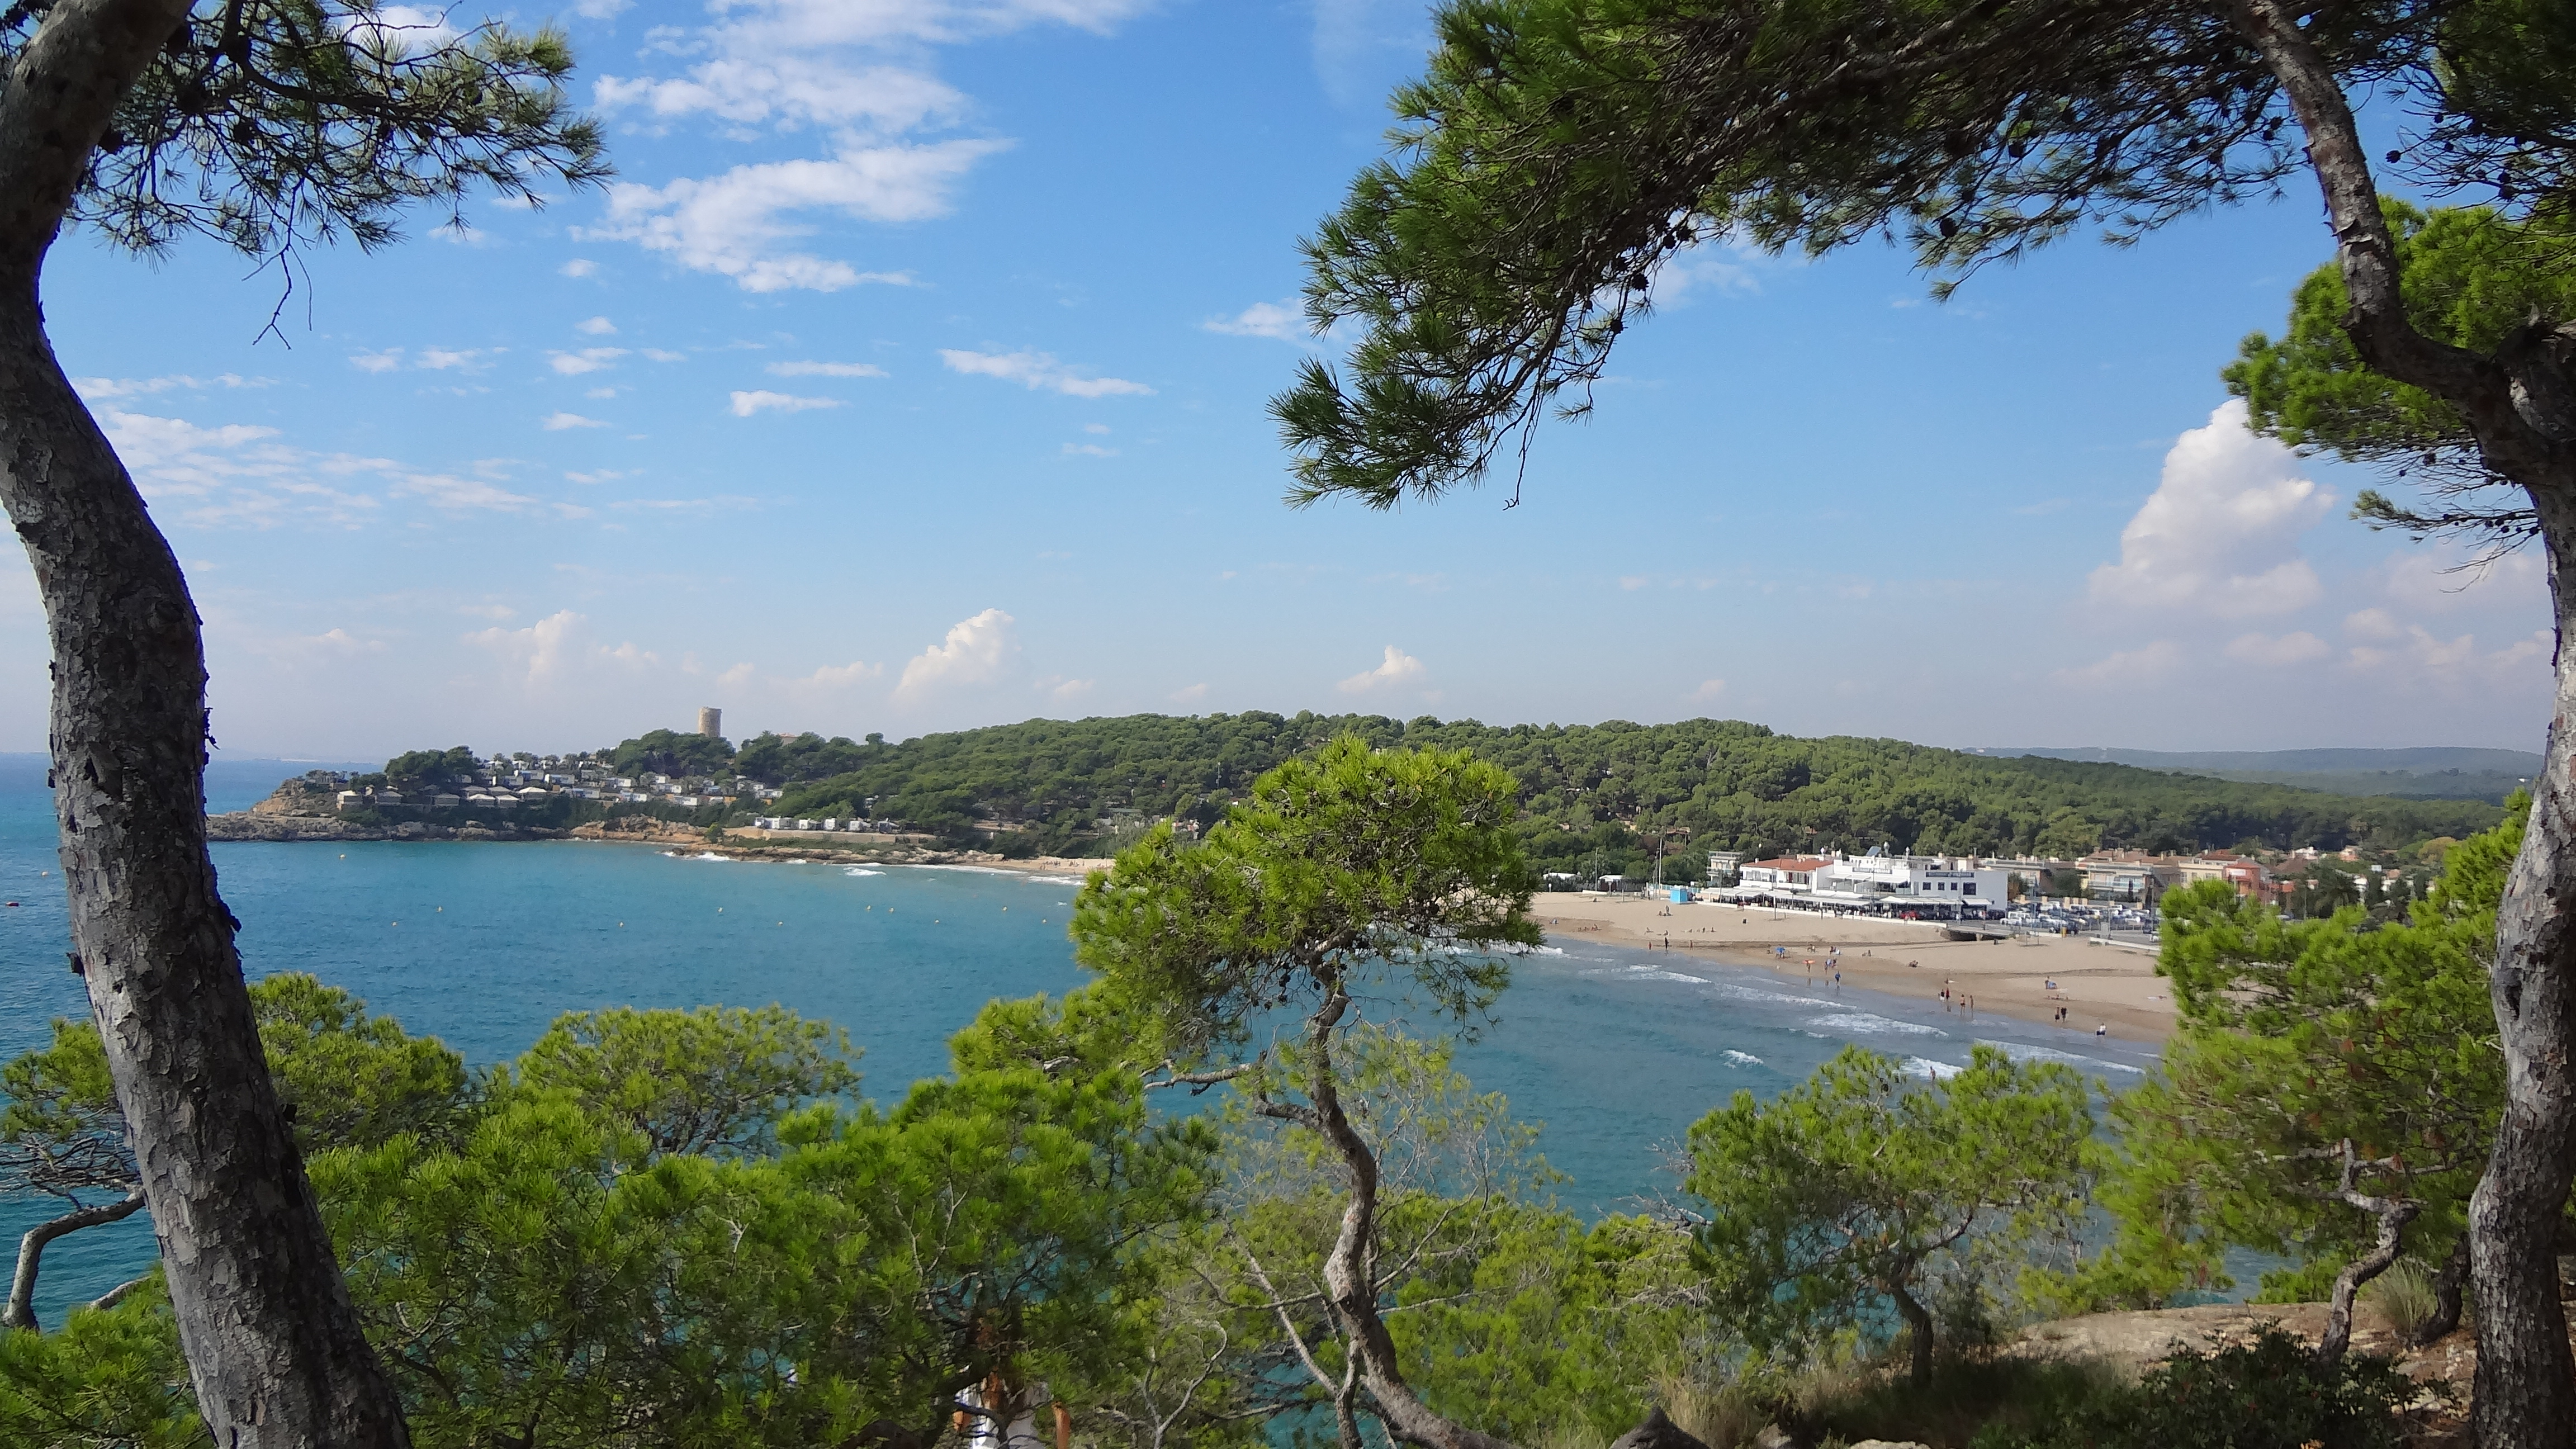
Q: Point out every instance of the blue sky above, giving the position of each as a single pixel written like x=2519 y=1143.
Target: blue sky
x=911 y=376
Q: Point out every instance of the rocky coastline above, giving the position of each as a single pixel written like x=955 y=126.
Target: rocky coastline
x=277 y=827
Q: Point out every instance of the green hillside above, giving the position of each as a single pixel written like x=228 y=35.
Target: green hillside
x=2437 y=773
x=1050 y=785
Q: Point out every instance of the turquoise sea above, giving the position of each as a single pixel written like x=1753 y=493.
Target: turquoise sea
x=1616 y=1051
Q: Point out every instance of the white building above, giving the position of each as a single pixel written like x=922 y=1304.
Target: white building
x=1874 y=882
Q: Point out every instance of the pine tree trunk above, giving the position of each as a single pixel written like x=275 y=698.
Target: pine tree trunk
x=1918 y=1333
x=271 y=1339
x=2520 y=402
x=2525 y=1391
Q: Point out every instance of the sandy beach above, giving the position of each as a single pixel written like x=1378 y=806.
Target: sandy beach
x=2027 y=977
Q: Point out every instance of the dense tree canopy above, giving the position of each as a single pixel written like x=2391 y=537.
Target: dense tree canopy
x=1861 y=1186
x=1608 y=788
x=2329 y=1099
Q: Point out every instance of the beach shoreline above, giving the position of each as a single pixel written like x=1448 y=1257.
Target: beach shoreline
x=2029 y=978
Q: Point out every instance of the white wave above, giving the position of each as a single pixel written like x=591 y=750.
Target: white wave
x=1649 y=973
x=1731 y=992
x=1862 y=1023
x=1741 y=1059
x=861 y=870
x=702 y=855
x=1930 y=1070
x=2024 y=1052
x=1055 y=880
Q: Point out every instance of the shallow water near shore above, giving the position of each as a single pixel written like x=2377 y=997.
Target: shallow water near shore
x=1616 y=1050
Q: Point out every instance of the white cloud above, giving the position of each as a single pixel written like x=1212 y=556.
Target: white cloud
x=2446 y=577
x=542 y=649
x=596 y=327
x=734 y=225
x=1189 y=694
x=589 y=359
x=747 y=403
x=793 y=90
x=559 y=422
x=2142 y=665
x=242 y=476
x=1096 y=429
x=398 y=30
x=1718 y=267
x=2376 y=624
x=1063 y=690
x=1089 y=450
x=1039 y=370
x=853 y=70
x=825 y=369
x=449 y=493
x=1281 y=320
x=659 y=354
x=2220 y=534
x=2417 y=658
x=235 y=474
x=103 y=389
x=2300 y=647
x=794 y=27
x=1397 y=668
x=975 y=651
x=579 y=267
x=842 y=676
x=1709 y=691
x=431 y=359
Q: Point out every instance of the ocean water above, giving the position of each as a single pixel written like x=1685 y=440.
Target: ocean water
x=1615 y=1051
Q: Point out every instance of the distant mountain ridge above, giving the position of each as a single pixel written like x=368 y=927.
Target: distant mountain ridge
x=2437 y=772
x=2420 y=761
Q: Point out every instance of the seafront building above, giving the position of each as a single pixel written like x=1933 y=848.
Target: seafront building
x=1877 y=882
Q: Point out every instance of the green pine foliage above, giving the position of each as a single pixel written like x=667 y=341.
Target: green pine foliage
x=1860 y=1189
x=111 y=1379
x=2296 y=1038
x=2472 y=277
x=1602 y=788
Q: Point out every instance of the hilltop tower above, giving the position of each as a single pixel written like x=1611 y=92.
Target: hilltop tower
x=711 y=722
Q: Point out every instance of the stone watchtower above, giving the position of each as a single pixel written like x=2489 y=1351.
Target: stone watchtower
x=711 y=722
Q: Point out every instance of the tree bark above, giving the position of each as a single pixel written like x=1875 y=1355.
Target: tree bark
x=2448 y=1286
x=1350 y=1281
x=21 y=1312
x=1918 y=1329
x=2393 y=1214
x=272 y=1342
x=2519 y=403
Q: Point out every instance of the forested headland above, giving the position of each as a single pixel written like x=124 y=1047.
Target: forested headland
x=1592 y=797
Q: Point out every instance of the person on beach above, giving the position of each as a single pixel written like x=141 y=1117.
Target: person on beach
x=2102 y=1028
